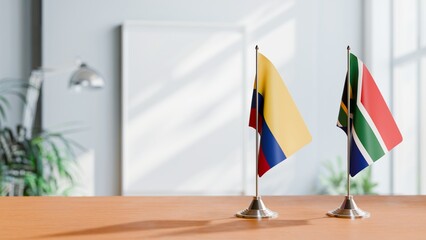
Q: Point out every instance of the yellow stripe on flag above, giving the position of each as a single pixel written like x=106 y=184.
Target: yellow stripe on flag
x=343 y=106
x=280 y=111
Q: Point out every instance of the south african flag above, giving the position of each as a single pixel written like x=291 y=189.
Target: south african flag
x=373 y=129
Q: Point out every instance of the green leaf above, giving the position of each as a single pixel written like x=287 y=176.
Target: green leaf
x=2 y=113
x=30 y=181
x=4 y=101
x=46 y=158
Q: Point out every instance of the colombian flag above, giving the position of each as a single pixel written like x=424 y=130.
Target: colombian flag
x=281 y=126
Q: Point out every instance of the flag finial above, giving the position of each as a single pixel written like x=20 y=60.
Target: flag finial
x=348 y=48
x=257 y=47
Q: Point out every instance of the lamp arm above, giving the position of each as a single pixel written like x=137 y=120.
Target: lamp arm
x=33 y=93
x=57 y=70
x=84 y=76
x=32 y=97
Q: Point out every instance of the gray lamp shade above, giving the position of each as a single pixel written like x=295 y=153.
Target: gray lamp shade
x=86 y=77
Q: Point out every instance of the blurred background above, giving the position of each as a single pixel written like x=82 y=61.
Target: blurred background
x=172 y=117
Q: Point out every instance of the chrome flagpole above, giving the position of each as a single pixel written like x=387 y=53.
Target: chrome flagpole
x=257 y=208
x=348 y=209
x=257 y=127
x=349 y=124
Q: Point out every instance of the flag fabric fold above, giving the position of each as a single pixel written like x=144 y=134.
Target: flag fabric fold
x=280 y=125
x=373 y=129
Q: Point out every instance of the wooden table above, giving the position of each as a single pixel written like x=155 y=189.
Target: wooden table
x=300 y=217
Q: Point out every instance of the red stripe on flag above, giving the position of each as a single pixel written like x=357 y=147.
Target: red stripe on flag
x=252 y=120
x=372 y=100
x=263 y=165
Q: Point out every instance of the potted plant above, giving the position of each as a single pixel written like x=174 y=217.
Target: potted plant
x=33 y=166
x=333 y=180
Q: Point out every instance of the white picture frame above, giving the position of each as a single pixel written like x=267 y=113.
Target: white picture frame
x=184 y=108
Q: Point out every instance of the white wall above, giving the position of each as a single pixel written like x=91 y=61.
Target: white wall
x=305 y=39
x=378 y=58
x=399 y=77
x=15 y=47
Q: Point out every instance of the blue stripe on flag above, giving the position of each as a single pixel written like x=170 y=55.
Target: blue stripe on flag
x=272 y=151
x=260 y=100
x=358 y=161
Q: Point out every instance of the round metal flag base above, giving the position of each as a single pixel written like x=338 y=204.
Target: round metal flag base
x=348 y=209
x=257 y=209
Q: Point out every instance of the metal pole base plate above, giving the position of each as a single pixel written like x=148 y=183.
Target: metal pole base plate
x=257 y=209
x=349 y=209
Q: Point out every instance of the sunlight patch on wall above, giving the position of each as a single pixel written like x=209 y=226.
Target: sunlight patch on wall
x=405 y=113
x=183 y=126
